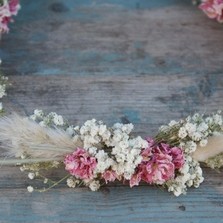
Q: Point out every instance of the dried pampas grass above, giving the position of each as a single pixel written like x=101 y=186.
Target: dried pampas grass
x=213 y=148
x=20 y=135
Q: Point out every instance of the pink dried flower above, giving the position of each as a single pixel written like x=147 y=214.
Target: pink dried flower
x=213 y=9
x=135 y=179
x=158 y=170
x=14 y=6
x=109 y=175
x=175 y=152
x=177 y=156
x=7 y=10
x=80 y=164
x=160 y=161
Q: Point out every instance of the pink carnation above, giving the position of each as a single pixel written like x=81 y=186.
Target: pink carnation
x=109 y=175
x=80 y=164
x=177 y=157
x=14 y=6
x=136 y=178
x=159 y=164
x=213 y=9
x=7 y=10
x=175 y=152
x=158 y=170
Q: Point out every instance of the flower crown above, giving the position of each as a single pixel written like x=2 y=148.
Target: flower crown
x=94 y=154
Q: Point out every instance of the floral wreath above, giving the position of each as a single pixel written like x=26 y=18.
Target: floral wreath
x=94 y=154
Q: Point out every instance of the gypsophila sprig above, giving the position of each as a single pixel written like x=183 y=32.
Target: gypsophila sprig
x=94 y=154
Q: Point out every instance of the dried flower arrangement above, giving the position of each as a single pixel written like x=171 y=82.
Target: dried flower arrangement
x=94 y=154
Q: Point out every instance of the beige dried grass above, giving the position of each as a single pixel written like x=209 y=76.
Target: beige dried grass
x=20 y=135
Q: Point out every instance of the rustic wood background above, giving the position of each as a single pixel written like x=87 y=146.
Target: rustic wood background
x=140 y=61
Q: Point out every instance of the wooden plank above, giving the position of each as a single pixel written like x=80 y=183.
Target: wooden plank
x=113 y=205
x=146 y=101
x=112 y=38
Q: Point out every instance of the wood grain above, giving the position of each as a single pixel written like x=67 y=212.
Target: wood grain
x=142 y=100
x=112 y=38
x=116 y=204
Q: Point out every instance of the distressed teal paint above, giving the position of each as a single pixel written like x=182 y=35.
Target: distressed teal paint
x=131 y=116
x=113 y=205
x=38 y=37
x=48 y=71
x=25 y=48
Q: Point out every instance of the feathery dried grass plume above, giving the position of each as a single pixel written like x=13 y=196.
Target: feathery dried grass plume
x=20 y=135
x=213 y=148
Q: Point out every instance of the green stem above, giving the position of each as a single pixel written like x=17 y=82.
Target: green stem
x=55 y=184
x=43 y=177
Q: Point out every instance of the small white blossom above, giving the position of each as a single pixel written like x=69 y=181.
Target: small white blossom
x=197 y=136
x=164 y=128
x=191 y=128
x=189 y=175
x=58 y=120
x=2 y=90
x=22 y=169
x=202 y=127
x=203 y=142
x=30 y=189
x=190 y=147
x=38 y=113
x=92 y=150
x=71 y=182
x=172 y=123
x=196 y=117
x=31 y=176
x=182 y=133
x=94 y=185
x=217 y=119
x=23 y=156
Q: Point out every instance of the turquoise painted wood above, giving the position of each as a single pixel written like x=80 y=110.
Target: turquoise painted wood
x=118 y=37
x=140 y=61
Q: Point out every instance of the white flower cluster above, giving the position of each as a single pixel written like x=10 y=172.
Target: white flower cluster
x=188 y=134
x=189 y=175
x=113 y=147
x=119 y=153
x=126 y=150
x=50 y=120
x=94 y=185
x=192 y=131
x=123 y=152
x=196 y=130
x=72 y=182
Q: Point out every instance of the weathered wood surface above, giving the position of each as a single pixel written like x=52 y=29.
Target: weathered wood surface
x=112 y=38
x=147 y=101
x=145 y=62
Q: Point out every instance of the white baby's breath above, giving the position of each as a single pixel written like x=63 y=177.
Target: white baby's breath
x=30 y=189
x=182 y=133
x=31 y=176
x=94 y=185
x=72 y=182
